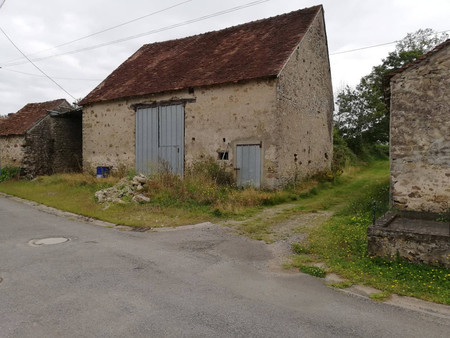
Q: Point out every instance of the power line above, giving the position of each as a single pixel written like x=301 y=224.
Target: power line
x=103 y=30
x=362 y=48
x=39 y=69
x=158 y=30
x=54 y=77
x=374 y=46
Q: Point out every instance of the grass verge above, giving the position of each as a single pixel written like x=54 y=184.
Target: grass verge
x=75 y=193
x=342 y=243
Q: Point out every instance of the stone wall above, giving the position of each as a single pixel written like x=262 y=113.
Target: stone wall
x=11 y=151
x=39 y=149
x=416 y=240
x=420 y=135
x=67 y=133
x=216 y=119
x=227 y=115
x=53 y=146
x=109 y=131
x=305 y=107
x=289 y=116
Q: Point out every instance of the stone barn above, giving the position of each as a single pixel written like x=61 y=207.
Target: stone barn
x=418 y=228
x=256 y=97
x=42 y=138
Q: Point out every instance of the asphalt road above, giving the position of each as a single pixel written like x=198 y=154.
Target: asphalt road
x=197 y=282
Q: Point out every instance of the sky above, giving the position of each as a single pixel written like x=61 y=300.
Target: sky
x=45 y=29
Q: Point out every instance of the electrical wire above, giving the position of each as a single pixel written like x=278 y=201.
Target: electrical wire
x=362 y=48
x=158 y=30
x=54 y=77
x=103 y=30
x=374 y=46
x=39 y=69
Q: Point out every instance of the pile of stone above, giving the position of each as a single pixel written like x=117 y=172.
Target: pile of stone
x=124 y=190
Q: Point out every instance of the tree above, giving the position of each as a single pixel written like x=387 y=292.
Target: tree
x=362 y=118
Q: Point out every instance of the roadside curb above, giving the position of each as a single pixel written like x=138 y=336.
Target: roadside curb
x=417 y=305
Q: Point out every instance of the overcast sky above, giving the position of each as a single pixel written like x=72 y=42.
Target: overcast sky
x=38 y=26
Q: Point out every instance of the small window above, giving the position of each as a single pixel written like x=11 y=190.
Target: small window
x=223 y=155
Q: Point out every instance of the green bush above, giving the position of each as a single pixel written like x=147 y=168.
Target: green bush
x=9 y=173
x=342 y=154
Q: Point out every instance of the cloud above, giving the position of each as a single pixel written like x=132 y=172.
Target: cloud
x=39 y=25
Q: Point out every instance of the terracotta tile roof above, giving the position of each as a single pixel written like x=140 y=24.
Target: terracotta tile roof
x=420 y=59
x=25 y=118
x=253 y=50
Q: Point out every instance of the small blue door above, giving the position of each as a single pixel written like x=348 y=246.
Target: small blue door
x=248 y=165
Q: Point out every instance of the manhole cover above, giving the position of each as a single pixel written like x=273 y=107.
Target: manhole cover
x=48 y=241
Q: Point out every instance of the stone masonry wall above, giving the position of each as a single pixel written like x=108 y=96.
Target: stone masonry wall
x=53 y=146
x=217 y=118
x=11 y=151
x=305 y=107
x=416 y=248
x=67 y=134
x=109 y=131
x=291 y=117
x=39 y=149
x=227 y=115
x=420 y=135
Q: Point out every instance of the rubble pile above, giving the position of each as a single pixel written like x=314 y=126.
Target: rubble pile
x=124 y=191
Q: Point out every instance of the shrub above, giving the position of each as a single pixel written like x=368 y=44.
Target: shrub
x=343 y=156
x=210 y=168
x=9 y=173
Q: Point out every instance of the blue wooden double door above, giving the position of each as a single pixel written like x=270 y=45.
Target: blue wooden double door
x=160 y=139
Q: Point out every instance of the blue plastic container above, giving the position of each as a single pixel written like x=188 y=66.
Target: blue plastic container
x=102 y=172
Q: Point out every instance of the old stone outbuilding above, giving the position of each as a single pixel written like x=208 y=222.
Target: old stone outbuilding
x=420 y=133
x=418 y=228
x=42 y=138
x=257 y=97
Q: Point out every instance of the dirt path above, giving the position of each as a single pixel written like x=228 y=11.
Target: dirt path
x=283 y=225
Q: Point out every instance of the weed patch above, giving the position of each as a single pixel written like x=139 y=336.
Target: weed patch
x=380 y=297
x=299 y=249
x=313 y=271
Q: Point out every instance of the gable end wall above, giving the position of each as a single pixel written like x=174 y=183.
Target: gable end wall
x=305 y=107
x=420 y=136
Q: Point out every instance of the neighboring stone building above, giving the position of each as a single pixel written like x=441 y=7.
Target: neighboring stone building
x=42 y=138
x=418 y=228
x=257 y=97
x=420 y=133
